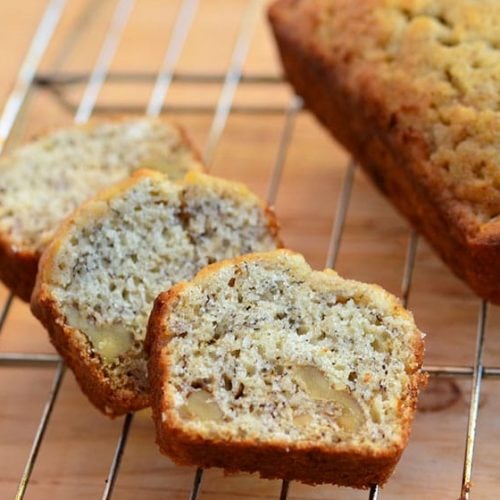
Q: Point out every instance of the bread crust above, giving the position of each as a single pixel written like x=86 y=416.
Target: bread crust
x=275 y=459
x=18 y=268
x=395 y=158
x=18 y=264
x=72 y=344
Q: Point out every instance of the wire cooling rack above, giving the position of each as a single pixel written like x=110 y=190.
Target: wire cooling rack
x=29 y=78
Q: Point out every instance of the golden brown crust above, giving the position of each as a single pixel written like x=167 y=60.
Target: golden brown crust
x=18 y=269
x=187 y=142
x=306 y=461
x=273 y=224
x=18 y=266
x=395 y=157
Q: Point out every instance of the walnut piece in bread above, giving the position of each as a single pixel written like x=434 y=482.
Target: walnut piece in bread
x=261 y=364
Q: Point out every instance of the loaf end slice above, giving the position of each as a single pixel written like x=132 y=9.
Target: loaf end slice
x=41 y=183
x=101 y=273
x=262 y=364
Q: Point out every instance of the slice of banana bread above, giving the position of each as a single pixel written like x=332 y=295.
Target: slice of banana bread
x=43 y=182
x=411 y=88
x=99 y=276
x=262 y=364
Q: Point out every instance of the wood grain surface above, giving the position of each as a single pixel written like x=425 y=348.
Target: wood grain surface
x=77 y=450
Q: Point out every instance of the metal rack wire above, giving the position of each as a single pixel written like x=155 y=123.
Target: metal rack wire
x=28 y=78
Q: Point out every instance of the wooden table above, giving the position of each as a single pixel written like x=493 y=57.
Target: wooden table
x=79 y=444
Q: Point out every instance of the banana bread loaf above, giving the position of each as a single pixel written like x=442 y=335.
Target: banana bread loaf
x=99 y=276
x=261 y=364
x=43 y=182
x=411 y=88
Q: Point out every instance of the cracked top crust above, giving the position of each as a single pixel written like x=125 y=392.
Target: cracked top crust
x=434 y=67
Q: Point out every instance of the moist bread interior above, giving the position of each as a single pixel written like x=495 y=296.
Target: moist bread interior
x=267 y=349
x=43 y=182
x=112 y=265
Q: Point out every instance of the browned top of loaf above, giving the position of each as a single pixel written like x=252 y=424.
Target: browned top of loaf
x=434 y=67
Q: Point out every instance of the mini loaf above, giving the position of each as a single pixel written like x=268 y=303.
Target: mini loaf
x=43 y=182
x=262 y=364
x=411 y=88
x=99 y=276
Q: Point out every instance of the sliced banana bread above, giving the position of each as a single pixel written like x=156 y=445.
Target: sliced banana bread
x=411 y=88
x=43 y=182
x=262 y=364
x=99 y=276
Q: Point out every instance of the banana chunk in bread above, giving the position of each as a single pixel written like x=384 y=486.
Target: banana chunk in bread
x=41 y=183
x=262 y=364
x=100 y=275
x=411 y=88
